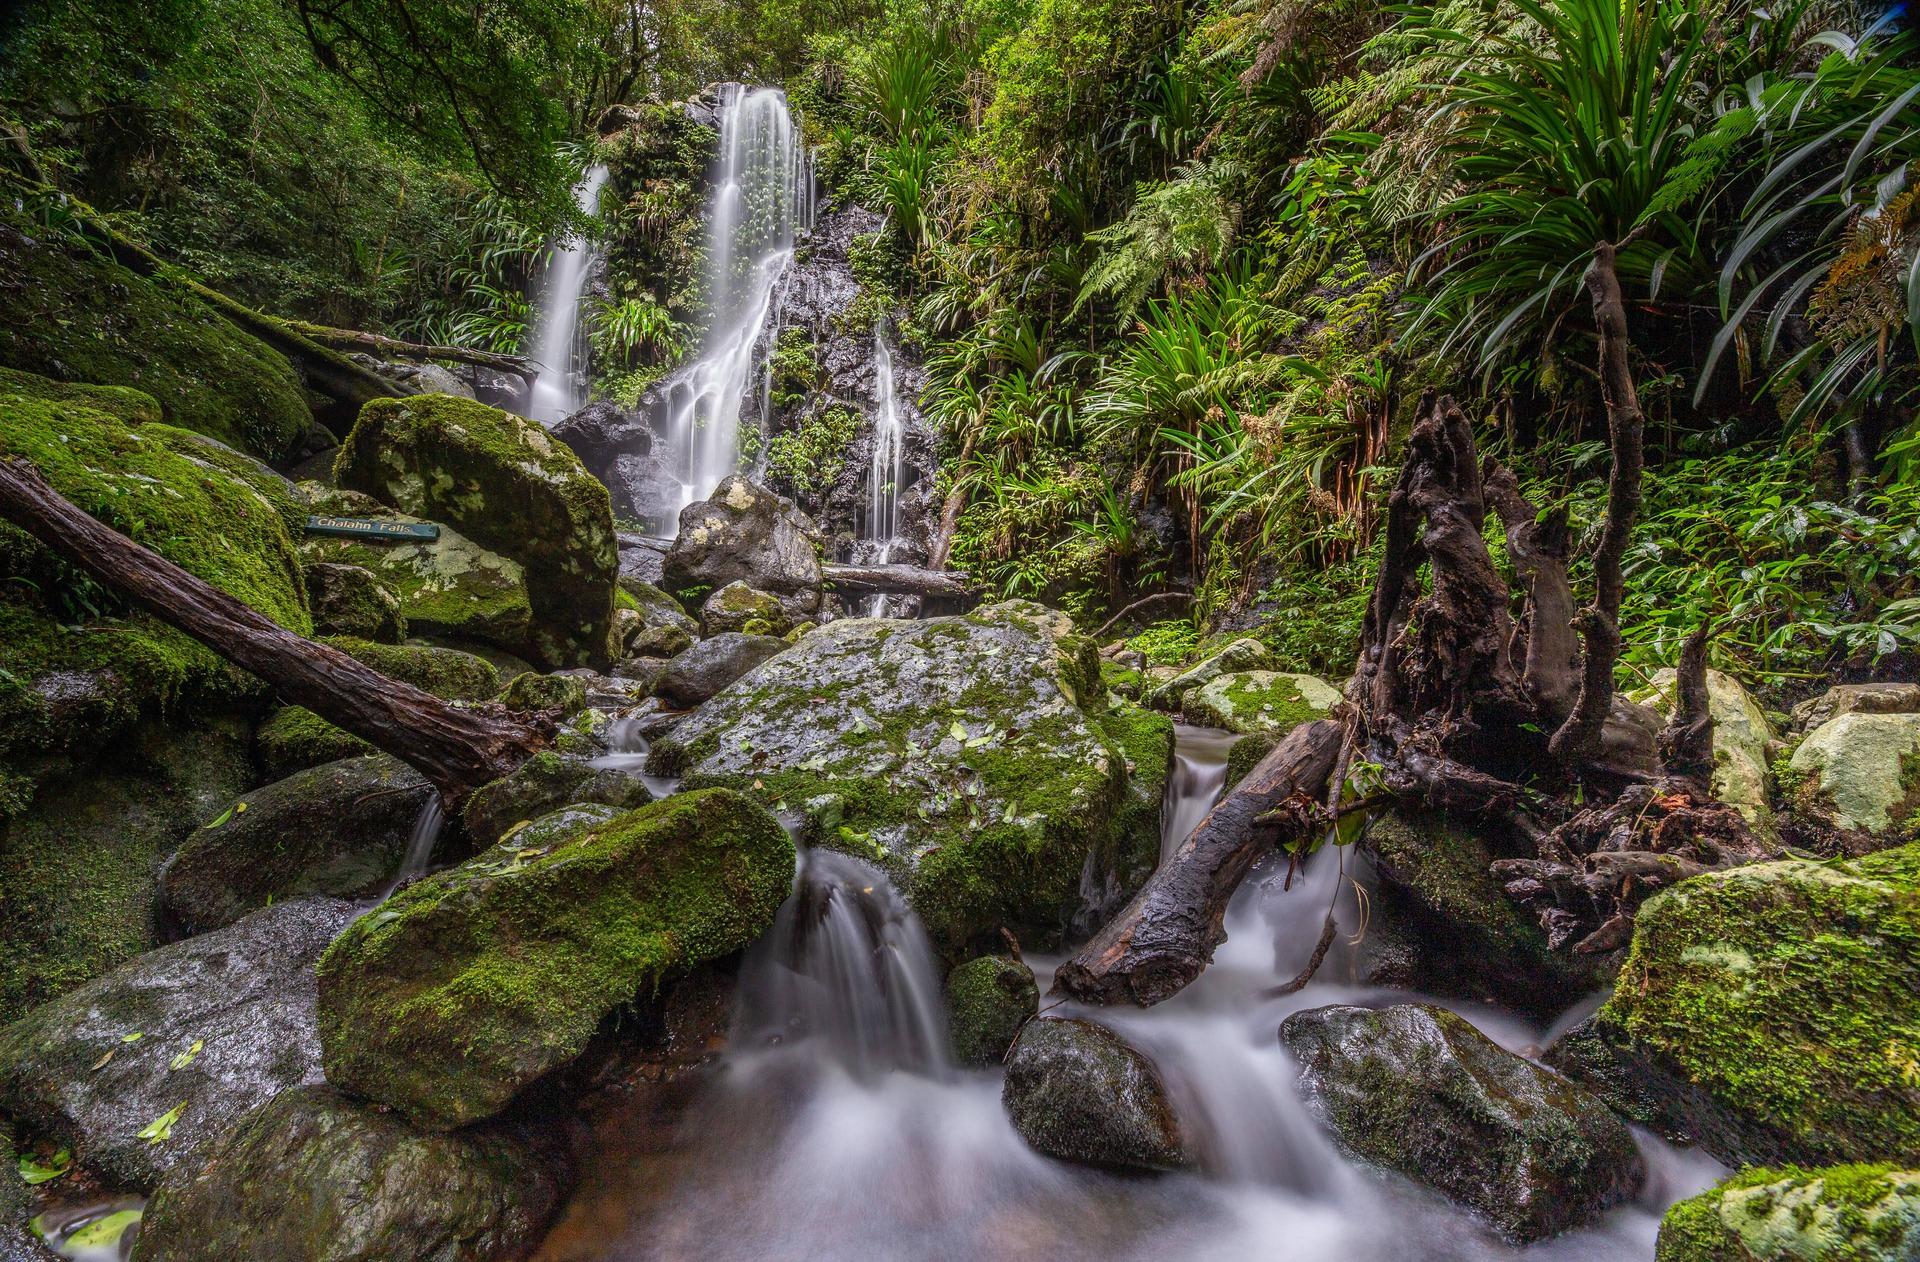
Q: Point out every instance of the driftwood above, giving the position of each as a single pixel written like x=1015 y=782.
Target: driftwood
x=458 y=749
x=394 y=348
x=907 y=580
x=1163 y=938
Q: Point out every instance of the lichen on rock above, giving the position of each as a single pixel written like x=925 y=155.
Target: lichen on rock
x=1853 y=1213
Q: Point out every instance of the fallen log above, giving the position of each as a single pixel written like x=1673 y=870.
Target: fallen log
x=458 y=749
x=394 y=348
x=1164 y=938
x=905 y=580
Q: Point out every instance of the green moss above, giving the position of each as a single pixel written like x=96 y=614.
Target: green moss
x=77 y=316
x=1245 y=754
x=545 y=692
x=1852 y=1213
x=296 y=738
x=472 y=983
x=135 y=407
x=451 y=587
x=988 y=1000
x=446 y=673
x=1784 y=992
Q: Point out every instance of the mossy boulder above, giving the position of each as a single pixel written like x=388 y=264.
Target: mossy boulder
x=1235 y=656
x=737 y=607
x=988 y=999
x=1418 y=1090
x=471 y=984
x=1078 y=1091
x=1245 y=754
x=665 y=628
x=1861 y=771
x=294 y=738
x=544 y=783
x=351 y=600
x=1741 y=736
x=502 y=481
x=531 y=691
x=75 y=315
x=449 y=674
x=315 y=1176
x=71 y=679
x=449 y=586
x=703 y=669
x=1258 y=701
x=1126 y=855
x=79 y=884
x=1769 y=1012
x=744 y=533
x=340 y=829
x=141 y=1067
x=969 y=756
x=1876 y=698
x=1856 y=1213
x=1469 y=939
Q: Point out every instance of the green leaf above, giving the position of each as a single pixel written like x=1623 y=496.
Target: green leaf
x=134 y=1037
x=160 y=1129
x=35 y=1173
x=958 y=732
x=186 y=1058
x=104 y=1232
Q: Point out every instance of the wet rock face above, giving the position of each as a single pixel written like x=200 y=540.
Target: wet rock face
x=506 y=483
x=975 y=758
x=1855 y=1213
x=988 y=1000
x=315 y=1176
x=467 y=986
x=1767 y=1012
x=339 y=829
x=1076 y=1091
x=210 y=1027
x=1418 y=1090
x=705 y=669
x=744 y=533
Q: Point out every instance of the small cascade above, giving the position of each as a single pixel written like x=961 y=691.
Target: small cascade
x=559 y=334
x=847 y=976
x=427 y=827
x=888 y=469
x=761 y=199
x=627 y=749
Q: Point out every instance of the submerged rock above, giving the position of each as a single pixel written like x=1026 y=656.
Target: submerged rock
x=474 y=982
x=139 y=1069
x=315 y=1176
x=1768 y=1013
x=338 y=829
x=706 y=668
x=351 y=600
x=744 y=533
x=1741 y=736
x=501 y=480
x=1251 y=701
x=1854 y=1213
x=1077 y=1091
x=1418 y=1090
x=1861 y=771
x=975 y=758
x=988 y=1000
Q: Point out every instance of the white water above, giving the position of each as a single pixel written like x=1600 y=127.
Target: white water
x=427 y=827
x=832 y=1134
x=888 y=467
x=559 y=344
x=761 y=199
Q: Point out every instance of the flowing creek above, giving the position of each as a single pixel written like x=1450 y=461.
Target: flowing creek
x=835 y=1126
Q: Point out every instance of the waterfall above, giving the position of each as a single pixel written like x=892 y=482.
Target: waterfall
x=761 y=198
x=559 y=342
x=888 y=467
x=427 y=826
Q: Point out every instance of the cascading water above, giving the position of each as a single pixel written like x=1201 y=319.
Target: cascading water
x=761 y=199
x=427 y=827
x=888 y=468
x=559 y=341
x=837 y=1131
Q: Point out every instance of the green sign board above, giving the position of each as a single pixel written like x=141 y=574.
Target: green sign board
x=370 y=528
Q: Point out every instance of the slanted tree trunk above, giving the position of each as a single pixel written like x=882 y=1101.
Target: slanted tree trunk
x=394 y=348
x=458 y=749
x=908 y=580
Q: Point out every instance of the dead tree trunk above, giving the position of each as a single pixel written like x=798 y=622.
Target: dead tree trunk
x=393 y=347
x=908 y=580
x=1164 y=938
x=458 y=749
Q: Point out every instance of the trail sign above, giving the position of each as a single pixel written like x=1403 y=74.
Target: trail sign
x=372 y=528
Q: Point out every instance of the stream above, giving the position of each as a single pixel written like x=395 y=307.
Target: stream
x=836 y=1127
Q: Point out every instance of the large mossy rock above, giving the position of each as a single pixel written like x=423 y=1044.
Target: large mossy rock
x=339 y=829
x=1237 y=655
x=469 y=985
x=703 y=669
x=743 y=533
x=542 y=784
x=1077 y=1091
x=1418 y=1090
x=1857 y=1213
x=1741 y=736
x=315 y=1176
x=79 y=871
x=665 y=627
x=988 y=999
x=1467 y=938
x=138 y=1069
x=70 y=680
x=1258 y=701
x=969 y=756
x=351 y=600
x=1770 y=1013
x=502 y=481
x=73 y=314
x=1861 y=771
